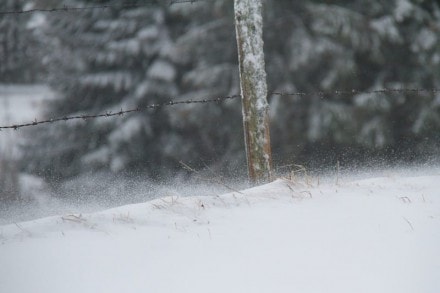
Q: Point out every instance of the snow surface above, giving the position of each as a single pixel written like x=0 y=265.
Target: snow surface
x=373 y=235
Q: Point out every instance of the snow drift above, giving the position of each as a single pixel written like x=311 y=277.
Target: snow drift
x=374 y=235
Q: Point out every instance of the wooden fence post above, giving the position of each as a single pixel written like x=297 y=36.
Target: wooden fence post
x=249 y=30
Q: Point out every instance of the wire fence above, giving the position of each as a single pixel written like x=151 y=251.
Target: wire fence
x=66 y=8
x=353 y=92
x=322 y=94
x=146 y=3
x=175 y=102
x=119 y=113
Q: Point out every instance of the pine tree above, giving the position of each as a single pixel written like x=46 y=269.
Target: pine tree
x=15 y=54
x=105 y=60
x=344 y=46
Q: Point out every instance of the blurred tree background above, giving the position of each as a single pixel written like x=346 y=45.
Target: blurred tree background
x=106 y=59
x=18 y=62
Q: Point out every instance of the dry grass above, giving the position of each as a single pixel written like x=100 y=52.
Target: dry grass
x=123 y=218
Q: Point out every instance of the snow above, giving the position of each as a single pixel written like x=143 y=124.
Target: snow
x=426 y=40
x=162 y=70
x=33 y=189
x=129 y=46
x=386 y=28
x=119 y=81
x=148 y=33
x=403 y=9
x=37 y=20
x=23 y=103
x=249 y=30
x=20 y=104
x=337 y=235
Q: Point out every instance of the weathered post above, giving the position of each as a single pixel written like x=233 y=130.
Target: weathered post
x=249 y=29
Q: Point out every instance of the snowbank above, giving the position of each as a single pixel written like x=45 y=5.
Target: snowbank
x=375 y=235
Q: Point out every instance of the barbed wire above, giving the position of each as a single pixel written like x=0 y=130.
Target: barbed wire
x=66 y=8
x=356 y=92
x=122 y=112
x=119 y=113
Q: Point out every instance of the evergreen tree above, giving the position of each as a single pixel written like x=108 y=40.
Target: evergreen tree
x=14 y=47
x=355 y=45
x=105 y=60
x=112 y=59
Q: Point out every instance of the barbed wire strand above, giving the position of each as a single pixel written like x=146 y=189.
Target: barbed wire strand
x=119 y=113
x=122 y=112
x=67 y=8
x=357 y=92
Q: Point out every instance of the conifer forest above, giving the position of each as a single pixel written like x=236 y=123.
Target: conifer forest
x=105 y=60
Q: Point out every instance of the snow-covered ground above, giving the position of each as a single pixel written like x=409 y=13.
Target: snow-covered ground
x=372 y=235
x=345 y=234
